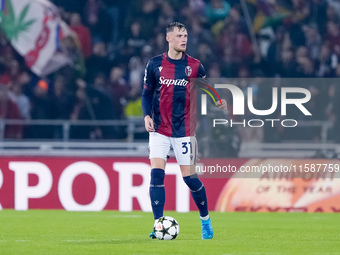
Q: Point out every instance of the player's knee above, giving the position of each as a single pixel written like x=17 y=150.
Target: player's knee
x=193 y=182
x=157 y=176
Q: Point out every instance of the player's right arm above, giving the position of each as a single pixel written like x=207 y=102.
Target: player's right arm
x=147 y=96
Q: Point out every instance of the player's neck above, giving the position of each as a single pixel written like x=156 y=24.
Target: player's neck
x=173 y=54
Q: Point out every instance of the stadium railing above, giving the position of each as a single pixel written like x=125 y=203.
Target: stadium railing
x=133 y=125
x=129 y=146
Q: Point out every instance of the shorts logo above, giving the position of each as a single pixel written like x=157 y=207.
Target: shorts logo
x=188 y=71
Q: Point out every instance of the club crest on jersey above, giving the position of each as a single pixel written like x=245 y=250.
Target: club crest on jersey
x=188 y=71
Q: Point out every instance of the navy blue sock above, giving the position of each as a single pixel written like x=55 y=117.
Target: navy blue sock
x=157 y=192
x=198 y=193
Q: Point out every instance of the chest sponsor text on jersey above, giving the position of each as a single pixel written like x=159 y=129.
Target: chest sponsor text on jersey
x=168 y=82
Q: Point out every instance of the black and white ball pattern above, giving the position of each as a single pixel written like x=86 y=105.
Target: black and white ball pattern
x=166 y=228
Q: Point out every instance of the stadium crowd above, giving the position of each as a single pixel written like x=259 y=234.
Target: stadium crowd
x=292 y=39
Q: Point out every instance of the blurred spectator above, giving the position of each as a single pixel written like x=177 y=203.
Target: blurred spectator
x=332 y=13
x=98 y=21
x=305 y=68
x=324 y=65
x=100 y=83
x=217 y=10
x=92 y=105
x=12 y=72
x=238 y=20
x=274 y=54
x=337 y=71
x=214 y=71
x=63 y=101
x=332 y=110
x=167 y=14
x=234 y=18
x=6 y=57
x=77 y=68
x=333 y=37
x=318 y=13
x=98 y=62
x=116 y=13
x=83 y=34
x=301 y=12
x=146 y=53
x=318 y=103
x=136 y=70
x=301 y=53
x=294 y=22
x=197 y=6
x=287 y=65
x=41 y=108
x=159 y=44
x=134 y=41
x=229 y=64
x=313 y=40
x=118 y=91
x=230 y=37
x=70 y=6
x=9 y=110
x=23 y=102
x=147 y=13
x=205 y=54
x=197 y=35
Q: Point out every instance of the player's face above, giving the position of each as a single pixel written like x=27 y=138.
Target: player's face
x=178 y=39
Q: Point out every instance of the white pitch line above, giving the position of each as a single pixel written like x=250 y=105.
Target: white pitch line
x=88 y=240
x=125 y=216
x=255 y=253
x=84 y=240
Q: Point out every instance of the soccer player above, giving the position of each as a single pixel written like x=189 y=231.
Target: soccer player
x=166 y=99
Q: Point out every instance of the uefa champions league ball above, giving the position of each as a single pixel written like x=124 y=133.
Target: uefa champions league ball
x=166 y=228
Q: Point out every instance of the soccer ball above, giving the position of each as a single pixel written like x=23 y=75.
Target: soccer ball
x=166 y=228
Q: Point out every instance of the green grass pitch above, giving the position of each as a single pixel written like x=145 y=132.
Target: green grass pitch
x=111 y=232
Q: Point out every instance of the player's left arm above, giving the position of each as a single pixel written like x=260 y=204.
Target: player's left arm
x=201 y=75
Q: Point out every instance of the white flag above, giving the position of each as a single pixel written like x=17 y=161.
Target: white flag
x=35 y=29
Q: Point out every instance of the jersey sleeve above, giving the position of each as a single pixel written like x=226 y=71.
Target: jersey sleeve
x=201 y=77
x=149 y=85
x=149 y=81
x=202 y=81
x=201 y=72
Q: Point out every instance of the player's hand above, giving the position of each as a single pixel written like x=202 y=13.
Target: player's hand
x=222 y=106
x=149 y=124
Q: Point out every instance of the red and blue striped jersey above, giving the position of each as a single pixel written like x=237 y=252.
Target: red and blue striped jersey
x=168 y=95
